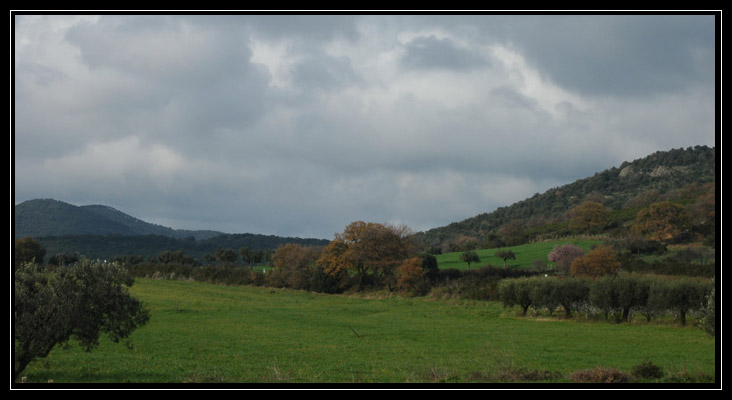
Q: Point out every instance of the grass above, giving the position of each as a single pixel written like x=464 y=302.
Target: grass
x=210 y=333
x=525 y=254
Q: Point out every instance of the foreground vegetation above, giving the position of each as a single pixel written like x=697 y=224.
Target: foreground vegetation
x=200 y=332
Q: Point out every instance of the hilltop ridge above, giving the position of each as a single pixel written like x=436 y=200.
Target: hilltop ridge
x=662 y=174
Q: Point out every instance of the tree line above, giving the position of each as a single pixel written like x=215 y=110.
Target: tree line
x=620 y=296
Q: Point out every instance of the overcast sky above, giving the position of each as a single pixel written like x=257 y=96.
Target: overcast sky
x=297 y=125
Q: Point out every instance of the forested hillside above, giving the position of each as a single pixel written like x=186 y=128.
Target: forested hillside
x=48 y=217
x=150 y=246
x=102 y=232
x=679 y=175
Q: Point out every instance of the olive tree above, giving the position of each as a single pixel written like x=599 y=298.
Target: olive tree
x=621 y=294
x=544 y=293
x=571 y=293
x=81 y=301
x=680 y=296
x=516 y=292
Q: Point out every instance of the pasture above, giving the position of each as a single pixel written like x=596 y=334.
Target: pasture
x=209 y=333
x=525 y=254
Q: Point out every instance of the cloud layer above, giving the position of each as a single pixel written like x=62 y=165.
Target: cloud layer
x=298 y=125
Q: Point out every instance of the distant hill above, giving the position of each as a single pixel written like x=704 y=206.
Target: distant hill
x=48 y=217
x=98 y=231
x=626 y=187
x=110 y=246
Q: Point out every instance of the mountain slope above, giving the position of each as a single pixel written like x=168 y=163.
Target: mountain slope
x=618 y=188
x=48 y=217
x=98 y=231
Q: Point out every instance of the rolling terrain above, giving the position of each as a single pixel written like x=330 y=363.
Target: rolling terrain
x=100 y=231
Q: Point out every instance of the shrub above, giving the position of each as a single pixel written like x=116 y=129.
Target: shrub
x=647 y=370
x=600 y=375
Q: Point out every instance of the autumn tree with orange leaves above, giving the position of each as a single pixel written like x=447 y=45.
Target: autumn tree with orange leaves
x=661 y=221
x=410 y=275
x=600 y=261
x=367 y=249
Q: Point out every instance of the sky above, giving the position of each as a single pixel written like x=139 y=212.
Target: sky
x=297 y=125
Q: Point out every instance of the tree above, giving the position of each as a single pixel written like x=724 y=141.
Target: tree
x=708 y=313
x=80 y=301
x=544 y=293
x=505 y=255
x=63 y=259
x=429 y=266
x=680 y=296
x=29 y=250
x=469 y=257
x=251 y=256
x=246 y=255
x=492 y=241
x=602 y=260
x=661 y=221
x=516 y=292
x=226 y=255
x=410 y=274
x=619 y=294
x=512 y=233
x=292 y=264
x=570 y=293
x=367 y=249
x=702 y=213
x=589 y=217
x=563 y=256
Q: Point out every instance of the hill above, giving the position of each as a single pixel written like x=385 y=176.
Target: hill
x=48 y=217
x=111 y=246
x=98 y=231
x=623 y=189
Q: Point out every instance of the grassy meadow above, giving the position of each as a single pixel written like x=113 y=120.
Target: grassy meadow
x=525 y=254
x=209 y=333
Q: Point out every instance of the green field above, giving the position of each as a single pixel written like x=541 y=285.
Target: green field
x=525 y=254
x=212 y=333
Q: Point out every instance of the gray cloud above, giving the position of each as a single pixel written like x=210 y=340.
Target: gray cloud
x=431 y=52
x=620 y=54
x=298 y=125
